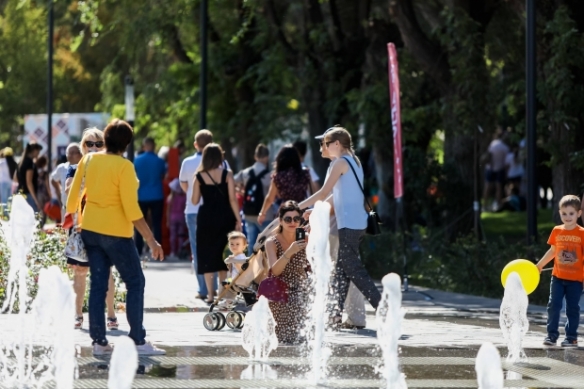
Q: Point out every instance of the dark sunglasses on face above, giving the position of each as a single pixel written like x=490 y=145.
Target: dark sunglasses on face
x=98 y=144
x=289 y=219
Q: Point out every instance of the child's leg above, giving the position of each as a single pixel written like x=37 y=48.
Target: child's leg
x=573 y=293
x=173 y=237
x=554 y=307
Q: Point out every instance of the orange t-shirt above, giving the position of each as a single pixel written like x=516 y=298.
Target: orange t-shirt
x=569 y=255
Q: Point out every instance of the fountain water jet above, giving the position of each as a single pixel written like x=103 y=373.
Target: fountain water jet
x=259 y=333
x=318 y=255
x=389 y=317
x=123 y=364
x=53 y=309
x=513 y=317
x=488 y=367
x=19 y=235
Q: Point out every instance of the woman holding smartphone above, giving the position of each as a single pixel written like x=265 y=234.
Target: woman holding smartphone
x=287 y=260
x=349 y=207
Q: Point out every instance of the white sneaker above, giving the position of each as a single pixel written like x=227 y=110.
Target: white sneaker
x=149 y=349
x=102 y=350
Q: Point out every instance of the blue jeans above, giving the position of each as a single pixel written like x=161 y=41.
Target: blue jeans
x=104 y=251
x=191 y=219
x=31 y=202
x=5 y=192
x=253 y=230
x=571 y=290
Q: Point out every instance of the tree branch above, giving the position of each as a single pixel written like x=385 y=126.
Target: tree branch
x=176 y=44
x=429 y=54
x=338 y=34
x=273 y=17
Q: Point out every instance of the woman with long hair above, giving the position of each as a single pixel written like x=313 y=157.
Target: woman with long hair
x=27 y=175
x=110 y=215
x=218 y=215
x=287 y=260
x=92 y=141
x=289 y=182
x=344 y=181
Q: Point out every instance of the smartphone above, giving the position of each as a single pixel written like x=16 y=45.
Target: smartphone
x=300 y=234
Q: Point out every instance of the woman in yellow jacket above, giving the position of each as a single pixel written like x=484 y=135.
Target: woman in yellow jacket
x=111 y=212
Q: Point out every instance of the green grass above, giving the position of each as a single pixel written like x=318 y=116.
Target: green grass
x=513 y=225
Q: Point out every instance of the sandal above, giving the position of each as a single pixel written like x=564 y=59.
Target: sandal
x=112 y=323
x=78 y=322
x=350 y=326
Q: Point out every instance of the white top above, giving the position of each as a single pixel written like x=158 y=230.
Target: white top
x=187 y=173
x=60 y=175
x=498 y=150
x=515 y=167
x=4 y=172
x=237 y=261
x=349 y=200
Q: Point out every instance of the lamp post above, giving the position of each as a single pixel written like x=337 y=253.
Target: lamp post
x=530 y=101
x=50 y=17
x=203 y=76
x=130 y=114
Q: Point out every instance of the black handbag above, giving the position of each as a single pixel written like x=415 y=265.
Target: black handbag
x=373 y=221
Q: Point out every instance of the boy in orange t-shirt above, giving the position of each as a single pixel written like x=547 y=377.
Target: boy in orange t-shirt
x=567 y=247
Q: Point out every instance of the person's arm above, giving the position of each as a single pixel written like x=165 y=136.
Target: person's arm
x=73 y=186
x=30 y=186
x=183 y=177
x=196 y=197
x=547 y=257
x=233 y=200
x=57 y=186
x=268 y=201
x=144 y=230
x=279 y=264
x=339 y=167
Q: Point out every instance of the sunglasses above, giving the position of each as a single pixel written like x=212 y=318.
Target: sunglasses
x=289 y=219
x=329 y=142
x=98 y=144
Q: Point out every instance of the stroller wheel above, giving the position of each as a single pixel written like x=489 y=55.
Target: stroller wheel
x=211 y=321
x=221 y=321
x=242 y=314
x=234 y=320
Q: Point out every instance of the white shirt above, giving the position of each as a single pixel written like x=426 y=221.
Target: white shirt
x=499 y=151
x=60 y=175
x=4 y=172
x=515 y=167
x=187 y=173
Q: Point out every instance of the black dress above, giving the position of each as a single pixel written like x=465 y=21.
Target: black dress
x=214 y=221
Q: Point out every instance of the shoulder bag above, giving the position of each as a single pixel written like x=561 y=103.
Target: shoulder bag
x=372 y=218
x=75 y=249
x=274 y=289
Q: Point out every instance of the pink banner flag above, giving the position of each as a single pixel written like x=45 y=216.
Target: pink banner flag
x=398 y=184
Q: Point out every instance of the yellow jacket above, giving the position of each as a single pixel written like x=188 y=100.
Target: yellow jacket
x=111 y=186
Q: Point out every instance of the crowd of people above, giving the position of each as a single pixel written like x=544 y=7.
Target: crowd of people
x=118 y=209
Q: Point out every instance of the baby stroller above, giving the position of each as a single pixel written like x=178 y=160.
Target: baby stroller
x=244 y=285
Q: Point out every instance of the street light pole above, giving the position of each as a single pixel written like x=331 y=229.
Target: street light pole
x=50 y=84
x=130 y=114
x=530 y=69
x=204 y=59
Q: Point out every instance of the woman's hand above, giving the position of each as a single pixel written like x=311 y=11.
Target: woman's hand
x=306 y=214
x=238 y=225
x=155 y=249
x=261 y=218
x=295 y=247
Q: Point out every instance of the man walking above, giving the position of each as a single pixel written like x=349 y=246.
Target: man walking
x=150 y=169
x=255 y=182
x=187 y=181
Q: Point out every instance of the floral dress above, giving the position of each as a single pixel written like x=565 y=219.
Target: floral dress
x=291 y=316
x=292 y=185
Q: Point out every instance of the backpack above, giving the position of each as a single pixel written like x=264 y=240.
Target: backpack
x=253 y=198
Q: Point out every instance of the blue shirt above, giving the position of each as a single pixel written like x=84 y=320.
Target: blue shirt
x=150 y=169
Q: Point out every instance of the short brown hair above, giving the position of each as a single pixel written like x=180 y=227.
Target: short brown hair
x=236 y=235
x=570 y=201
x=203 y=138
x=212 y=157
x=117 y=135
x=262 y=151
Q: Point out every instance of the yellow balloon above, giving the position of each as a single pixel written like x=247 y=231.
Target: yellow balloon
x=527 y=272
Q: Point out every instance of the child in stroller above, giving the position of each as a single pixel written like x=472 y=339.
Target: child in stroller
x=245 y=274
